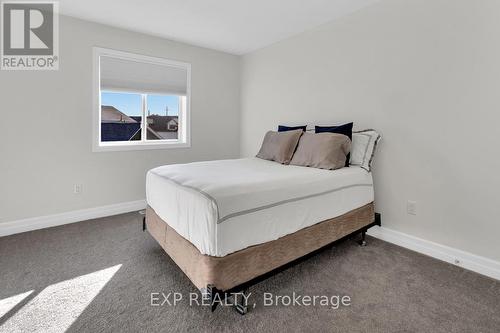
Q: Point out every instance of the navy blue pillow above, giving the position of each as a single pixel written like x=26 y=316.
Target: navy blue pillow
x=282 y=128
x=345 y=129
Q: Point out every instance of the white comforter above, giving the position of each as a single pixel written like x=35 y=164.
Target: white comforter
x=227 y=205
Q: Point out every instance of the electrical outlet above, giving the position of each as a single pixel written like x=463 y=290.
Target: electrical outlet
x=411 y=207
x=77 y=188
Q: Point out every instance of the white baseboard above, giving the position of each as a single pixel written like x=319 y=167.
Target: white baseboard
x=14 y=227
x=451 y=255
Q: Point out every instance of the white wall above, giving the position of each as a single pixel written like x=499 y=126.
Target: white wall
x=46 y=125
x=426 y=74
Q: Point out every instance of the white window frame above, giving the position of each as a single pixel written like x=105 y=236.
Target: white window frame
x=184 y=124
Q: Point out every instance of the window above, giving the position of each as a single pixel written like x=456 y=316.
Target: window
x=141 y=102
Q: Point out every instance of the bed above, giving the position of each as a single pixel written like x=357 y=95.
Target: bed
x=227 y=223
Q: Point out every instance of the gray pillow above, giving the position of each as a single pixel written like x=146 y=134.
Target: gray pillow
x=279 y=146
x=322 y=150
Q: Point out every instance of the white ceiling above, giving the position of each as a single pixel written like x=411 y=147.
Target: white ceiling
x=233 y=26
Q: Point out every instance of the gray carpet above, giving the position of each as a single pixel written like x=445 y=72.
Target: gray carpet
x=97 y=276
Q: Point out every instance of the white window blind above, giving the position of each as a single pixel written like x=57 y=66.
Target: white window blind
x=140 y=77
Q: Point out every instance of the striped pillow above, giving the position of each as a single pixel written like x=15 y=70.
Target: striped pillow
x=363 y=148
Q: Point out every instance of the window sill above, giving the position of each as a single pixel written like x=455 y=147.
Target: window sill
x=124 y=146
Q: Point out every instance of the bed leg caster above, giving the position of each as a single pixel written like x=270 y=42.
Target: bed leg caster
x=144 y=223
x=241 y=309
x=362 y=241
x=241 y=302
x=209 y=297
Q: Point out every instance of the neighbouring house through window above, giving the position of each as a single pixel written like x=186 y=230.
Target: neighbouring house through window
x=143 y=102
x=121 y=116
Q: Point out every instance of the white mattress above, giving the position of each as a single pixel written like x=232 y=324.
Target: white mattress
x=228 y=205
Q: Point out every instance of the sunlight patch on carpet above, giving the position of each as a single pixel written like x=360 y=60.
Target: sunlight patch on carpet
x=58 y=305
x=9 y=303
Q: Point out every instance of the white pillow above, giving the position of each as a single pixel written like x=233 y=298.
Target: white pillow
x=363 y=148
